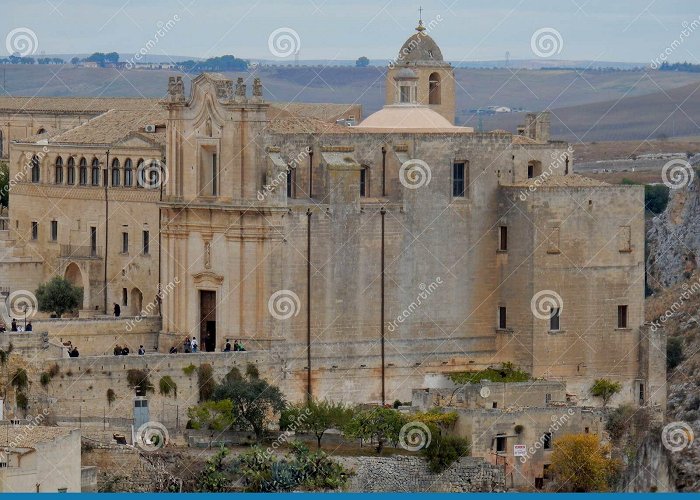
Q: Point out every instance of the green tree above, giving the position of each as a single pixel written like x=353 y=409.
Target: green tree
x=254 y=401
x=362 y=62
x=581 y=464
x=4 y=184
x=378 y=424
x=444 y=451
x=59 y=295
x=211 y=415
x=315 y=417
x=605 y=389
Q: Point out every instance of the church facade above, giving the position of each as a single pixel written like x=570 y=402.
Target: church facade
x=363 y=258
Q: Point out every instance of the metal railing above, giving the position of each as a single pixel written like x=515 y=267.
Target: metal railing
x=85 y=252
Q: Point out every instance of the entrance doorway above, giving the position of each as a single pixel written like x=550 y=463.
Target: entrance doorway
x=207 y=320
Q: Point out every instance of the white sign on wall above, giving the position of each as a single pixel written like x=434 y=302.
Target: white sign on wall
x=519 y=450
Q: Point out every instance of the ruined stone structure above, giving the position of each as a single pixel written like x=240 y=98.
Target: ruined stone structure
x=356 y=259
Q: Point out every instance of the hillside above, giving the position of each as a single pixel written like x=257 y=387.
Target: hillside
x=608 y=102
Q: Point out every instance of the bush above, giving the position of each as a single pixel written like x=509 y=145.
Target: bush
x=206 y=382
x=140 y=380
x=189 y=370
x=674 y=352
x=167 y=385
x=581 y=464
x=20 y=380
x=444 y=451
x=605 y=389
x=211 y=415
x=507 y=373
x=379 y=424
x=54 y=370
x=111 y=397
x=45 y=379
x=22 y=401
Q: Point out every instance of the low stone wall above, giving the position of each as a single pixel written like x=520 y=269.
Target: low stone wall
x=98 y=336
x=411 y=474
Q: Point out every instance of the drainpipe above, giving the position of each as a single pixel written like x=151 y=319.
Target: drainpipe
x=311 y=173
x=383 y=171
x=308 y=305
x=106 y=183
x=383 y=213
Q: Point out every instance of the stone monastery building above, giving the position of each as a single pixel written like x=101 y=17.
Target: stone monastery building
x=360 y=257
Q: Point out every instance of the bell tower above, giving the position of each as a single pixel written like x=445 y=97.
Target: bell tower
x=434 y=77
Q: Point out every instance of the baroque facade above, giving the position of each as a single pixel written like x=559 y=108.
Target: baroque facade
x=361 y=258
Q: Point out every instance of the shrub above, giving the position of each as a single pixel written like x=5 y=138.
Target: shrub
x=214 y=477
x=674 y=352
x=189 y=370
x=111 y=397
x=167 y=385
x=22 y=401
x=605 y=389
x=54 y=370
x=20 y=380
x=379 y=424
x=140 y=380
x=581 y=464
x=211 y=415
x=206 y=382
x=252 y=371
x=507 y=373
x=45 y=379
x=443 y=451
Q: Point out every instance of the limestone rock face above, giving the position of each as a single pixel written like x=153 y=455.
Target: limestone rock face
x=673 y=240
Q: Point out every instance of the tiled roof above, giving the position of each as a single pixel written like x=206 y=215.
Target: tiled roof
x=74 y=104
x=285 y=122
x=324 y=111
x=571 y=180
x=113 y=126
x=22 y=436
x=522 y=140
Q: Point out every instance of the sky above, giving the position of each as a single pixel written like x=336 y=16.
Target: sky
x=466 y=30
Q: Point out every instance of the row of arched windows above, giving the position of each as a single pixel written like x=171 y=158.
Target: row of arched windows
x=91 y=175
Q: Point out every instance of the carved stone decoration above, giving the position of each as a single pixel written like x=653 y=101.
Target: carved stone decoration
x=257 y=88
x=176 y=89
x=207 y=127
x=207 y=254
x=224 y=89
x=240 y=88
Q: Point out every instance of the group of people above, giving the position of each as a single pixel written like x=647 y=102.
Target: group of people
x=124 y=351
x=192 y=345
x=15 y=328
x=237 y=346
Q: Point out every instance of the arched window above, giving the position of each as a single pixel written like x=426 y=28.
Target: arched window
x=71 y=170
x=140 y=181
x=128 y=175
x=116 y=174
x=35 y=169
x=83 y=172
x=42 y=130
x=58 y=178
x=434 y=89
x=95 y=172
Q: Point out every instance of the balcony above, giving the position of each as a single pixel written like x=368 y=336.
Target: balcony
x=80 y=252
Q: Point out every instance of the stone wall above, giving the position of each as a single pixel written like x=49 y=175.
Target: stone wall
x=411 y=474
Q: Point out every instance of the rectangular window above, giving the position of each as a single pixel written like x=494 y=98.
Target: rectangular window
x=586 y=430
x=363 y=182
x=458 y=179
x=502 y=317
x=530 y=171
x=125 y=297
x=503 y=238
x=547 y=441
x=214 y=176
x=547 y=398
x=125 y=242
x=146 y=242
x=405 y=94
x=641 y=394
x=54 y=230
x=500 y=443
x=622 y=316
x=35 y=230
x=93 y=241
x=554 y=319
x=290 y=182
